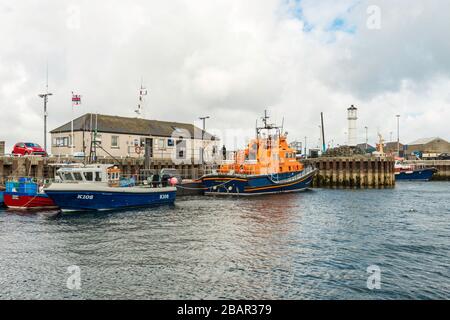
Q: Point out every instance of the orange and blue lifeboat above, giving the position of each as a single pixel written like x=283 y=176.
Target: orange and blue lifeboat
x=268 y=165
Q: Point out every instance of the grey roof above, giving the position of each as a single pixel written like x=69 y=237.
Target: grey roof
x=136 y=126
x=352 y=107
x=362 y=146
x=424 y=141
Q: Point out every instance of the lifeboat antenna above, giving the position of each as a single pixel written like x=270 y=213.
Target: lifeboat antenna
x=265 y=118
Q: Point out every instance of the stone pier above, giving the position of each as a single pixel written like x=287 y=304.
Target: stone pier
x=353 y=172
x=45 y=168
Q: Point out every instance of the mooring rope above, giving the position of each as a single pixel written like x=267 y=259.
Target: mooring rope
x=206 y=188
x=293 y=178
x=28 y=202
x=187 y=188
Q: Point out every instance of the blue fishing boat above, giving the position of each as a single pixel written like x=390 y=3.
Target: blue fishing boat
x=101 y=187
x=268 y=165
x=413 y=172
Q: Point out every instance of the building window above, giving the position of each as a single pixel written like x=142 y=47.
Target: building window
x=170 y=143
x=181 y=148
x=114 y=141
x=61 y=142
x=161 y=143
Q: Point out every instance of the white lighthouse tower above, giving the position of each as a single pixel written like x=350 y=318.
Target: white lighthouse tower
x=352 y=132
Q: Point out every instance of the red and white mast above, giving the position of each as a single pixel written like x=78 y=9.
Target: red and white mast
x=140 y=107
x=76 y=100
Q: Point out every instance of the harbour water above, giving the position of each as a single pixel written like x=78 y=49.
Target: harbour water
x=312 y=245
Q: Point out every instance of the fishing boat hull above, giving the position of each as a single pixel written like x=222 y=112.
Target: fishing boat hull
x=257 y=184
x=419 y=174
x=25 y=201
x=92 y=197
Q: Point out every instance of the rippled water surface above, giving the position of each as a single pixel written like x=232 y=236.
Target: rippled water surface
x=312 y=245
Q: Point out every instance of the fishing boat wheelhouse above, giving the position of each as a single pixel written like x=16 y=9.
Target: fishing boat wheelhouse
x=267 y=165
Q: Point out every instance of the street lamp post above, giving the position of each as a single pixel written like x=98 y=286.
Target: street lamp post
x=305 y=146
x=398 y=134
x=45 y=97
x=367 y=137
x=203 y=136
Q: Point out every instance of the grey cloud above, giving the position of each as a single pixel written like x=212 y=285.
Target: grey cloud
x=227 y=59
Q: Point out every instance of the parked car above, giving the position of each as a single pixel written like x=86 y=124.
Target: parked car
x=28 y=149
x=444 y=156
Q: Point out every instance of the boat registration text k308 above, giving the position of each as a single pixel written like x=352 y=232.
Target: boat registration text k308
x=85 y=196
x=91 y=196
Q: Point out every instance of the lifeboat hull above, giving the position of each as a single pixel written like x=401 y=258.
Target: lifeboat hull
x=257 y=184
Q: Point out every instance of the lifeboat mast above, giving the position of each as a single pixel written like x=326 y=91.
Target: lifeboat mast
x=267 y=126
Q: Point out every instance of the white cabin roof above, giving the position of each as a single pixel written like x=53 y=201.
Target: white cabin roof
x=89 y=167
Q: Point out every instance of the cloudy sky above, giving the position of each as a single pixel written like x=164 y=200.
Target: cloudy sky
x=230 y=60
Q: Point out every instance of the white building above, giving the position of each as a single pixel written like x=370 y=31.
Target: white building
x=130 y=137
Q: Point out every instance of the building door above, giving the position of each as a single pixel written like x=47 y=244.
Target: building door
x=148 y=152
x=181 y=149
x=149 y=147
